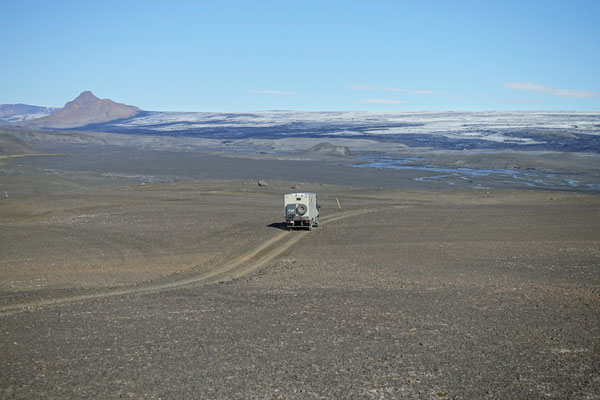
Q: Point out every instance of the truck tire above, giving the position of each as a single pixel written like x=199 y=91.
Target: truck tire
x=316 y=222
x=301 y=209
x=310 y=226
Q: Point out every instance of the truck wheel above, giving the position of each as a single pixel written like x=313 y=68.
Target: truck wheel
x=310 y=226
x=316 y=222
x=301 y=209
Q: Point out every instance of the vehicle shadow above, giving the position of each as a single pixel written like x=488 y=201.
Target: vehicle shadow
x=278 y=225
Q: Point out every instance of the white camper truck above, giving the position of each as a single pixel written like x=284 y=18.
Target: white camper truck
x=301 y=210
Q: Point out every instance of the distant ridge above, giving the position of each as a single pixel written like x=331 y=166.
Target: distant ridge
x=23 y=112
x=84 y=110
x=329 y=149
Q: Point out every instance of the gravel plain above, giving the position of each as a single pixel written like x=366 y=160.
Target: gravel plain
x=401 y=293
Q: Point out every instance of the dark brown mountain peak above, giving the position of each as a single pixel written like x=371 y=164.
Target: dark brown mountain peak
x=86 y=97
x=84 y=110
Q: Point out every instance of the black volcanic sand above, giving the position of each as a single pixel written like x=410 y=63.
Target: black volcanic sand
x=556 y=169
x=415 y=294
x=168 y=166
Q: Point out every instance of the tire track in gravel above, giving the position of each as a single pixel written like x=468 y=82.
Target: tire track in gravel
x=243 y=265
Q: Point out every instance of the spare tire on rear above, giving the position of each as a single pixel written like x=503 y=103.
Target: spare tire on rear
x=301 y=209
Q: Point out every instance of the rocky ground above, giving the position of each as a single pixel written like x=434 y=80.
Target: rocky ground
x=114 y=286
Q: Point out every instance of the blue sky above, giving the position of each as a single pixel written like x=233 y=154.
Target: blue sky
x=304 y=55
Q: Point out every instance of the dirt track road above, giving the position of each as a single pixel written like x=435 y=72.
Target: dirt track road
x=240 y=266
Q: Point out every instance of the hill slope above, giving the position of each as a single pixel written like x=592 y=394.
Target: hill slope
x=10 y=145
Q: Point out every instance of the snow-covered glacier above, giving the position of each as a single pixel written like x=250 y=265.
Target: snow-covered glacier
x=552 y=130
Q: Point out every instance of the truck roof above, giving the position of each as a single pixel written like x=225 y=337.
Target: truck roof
x=300 y=194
